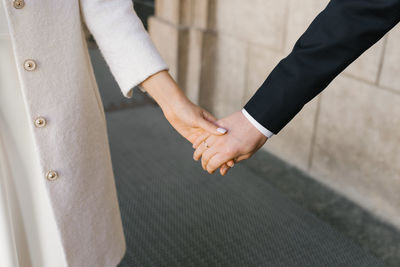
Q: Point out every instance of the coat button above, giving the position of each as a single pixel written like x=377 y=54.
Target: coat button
x=29 y=65
x=18 y=4
x=40 y=122
x=51 y=175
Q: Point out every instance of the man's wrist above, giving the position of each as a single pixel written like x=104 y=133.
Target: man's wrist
x=257 y=125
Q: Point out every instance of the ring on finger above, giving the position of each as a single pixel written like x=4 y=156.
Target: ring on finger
x=205 y=144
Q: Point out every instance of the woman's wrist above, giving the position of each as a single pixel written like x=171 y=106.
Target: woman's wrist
x=165 y=91
x=175 y=102
x=187 y=118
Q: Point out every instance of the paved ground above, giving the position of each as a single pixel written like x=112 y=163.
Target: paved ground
x=264 y=212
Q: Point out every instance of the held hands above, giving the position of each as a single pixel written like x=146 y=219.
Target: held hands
x=240 y=143
x=216 y=148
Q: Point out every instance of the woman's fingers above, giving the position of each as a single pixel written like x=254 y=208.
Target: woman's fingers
x=203 y=146
x=209 y=153
x=195 y=135
x=208 y=123
x=200 y=139
x=208 y=116
x=199 y=151
x=216 y=161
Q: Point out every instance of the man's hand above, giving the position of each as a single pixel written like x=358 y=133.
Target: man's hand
x=240 y=143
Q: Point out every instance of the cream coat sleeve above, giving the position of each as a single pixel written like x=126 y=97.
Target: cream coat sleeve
x=123 y=41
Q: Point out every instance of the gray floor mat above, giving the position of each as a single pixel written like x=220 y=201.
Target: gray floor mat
x=174 y=214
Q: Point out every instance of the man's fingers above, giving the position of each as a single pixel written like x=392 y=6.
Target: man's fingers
x=243 y=157
x=224 y=169
x=230 y=163
x=216 y=161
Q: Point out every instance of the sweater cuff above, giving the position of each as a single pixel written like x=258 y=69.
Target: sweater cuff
x=144 y=64
x=123 y=41
x=256 y=124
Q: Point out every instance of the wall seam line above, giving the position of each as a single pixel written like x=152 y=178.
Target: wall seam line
x=381 y=61
x=314 y=134
x=246 y=73
x=388 y=89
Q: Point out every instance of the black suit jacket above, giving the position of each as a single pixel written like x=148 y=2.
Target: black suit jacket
x=337 y=36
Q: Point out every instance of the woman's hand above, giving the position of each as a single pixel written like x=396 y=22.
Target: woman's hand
x=187 y=118
x=191 y=120
x=241 y=143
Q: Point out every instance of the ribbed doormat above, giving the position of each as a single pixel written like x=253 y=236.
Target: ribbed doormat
x=174 y=214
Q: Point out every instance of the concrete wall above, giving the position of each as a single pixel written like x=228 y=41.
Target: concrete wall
x=348 y=138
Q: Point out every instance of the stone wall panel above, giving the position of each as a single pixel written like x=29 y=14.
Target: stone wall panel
x=357 y=148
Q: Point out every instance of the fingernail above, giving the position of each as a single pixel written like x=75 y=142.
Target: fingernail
x=222 y=130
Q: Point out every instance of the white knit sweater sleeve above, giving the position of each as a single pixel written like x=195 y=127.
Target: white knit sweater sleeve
x=123 y=41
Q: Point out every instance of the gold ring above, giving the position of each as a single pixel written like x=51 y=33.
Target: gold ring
x=205 y=143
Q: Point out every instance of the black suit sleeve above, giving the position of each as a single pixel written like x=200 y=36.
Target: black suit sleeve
x=337 y=36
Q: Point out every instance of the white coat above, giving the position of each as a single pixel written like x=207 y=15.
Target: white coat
x=68 y=123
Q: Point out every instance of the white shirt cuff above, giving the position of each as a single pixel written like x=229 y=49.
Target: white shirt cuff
x=259 y=127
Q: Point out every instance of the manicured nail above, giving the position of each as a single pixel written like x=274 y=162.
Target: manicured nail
x=222 y=130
